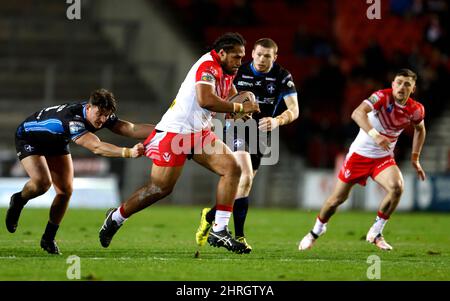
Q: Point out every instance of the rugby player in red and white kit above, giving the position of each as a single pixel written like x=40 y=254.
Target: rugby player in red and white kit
x=185 y=130
x=381 y=118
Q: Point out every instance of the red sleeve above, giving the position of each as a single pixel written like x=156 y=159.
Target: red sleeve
x=418 y=113
x=376 y=100
x=207 y=73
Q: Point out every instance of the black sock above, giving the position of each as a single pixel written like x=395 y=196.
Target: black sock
x=18 y=198
x=50 y=231
x=240 y=209
x=211 y=215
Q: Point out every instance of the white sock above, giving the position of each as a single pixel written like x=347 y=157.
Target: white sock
x=221 y=220
x=318 y=227
x=118 y=218
x=379 y=224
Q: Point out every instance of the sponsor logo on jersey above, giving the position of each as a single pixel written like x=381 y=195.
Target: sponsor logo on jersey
x=271 y=78
x=166 y=156
x=247 y=76
x=207 y=77
x=244 y=84
x=258 y=83
x=266 y=100
x=270 y=88
x=287 y=78
x=347 y=173
x=75 y=127
x=28 y=148
x=373 y=98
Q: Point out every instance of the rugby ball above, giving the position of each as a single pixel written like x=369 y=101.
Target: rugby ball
x=241 y=97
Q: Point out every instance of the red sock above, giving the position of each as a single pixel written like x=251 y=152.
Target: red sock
x=382 y=215
x=323 y=221
x=122 y=212
x=224 y=208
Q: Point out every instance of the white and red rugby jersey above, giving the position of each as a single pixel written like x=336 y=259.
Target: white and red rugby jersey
x=390 y=119
x=185 y=114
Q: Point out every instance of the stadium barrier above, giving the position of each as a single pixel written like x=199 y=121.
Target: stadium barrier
x=433 y=194
x=317 y=187
x=430 y=195
x=87 y=193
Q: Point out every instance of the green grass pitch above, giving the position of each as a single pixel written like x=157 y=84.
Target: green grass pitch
x=159 y=244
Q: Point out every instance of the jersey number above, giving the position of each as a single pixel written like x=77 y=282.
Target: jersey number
x=58 y=109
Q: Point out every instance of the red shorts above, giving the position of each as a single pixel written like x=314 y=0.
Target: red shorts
x=357 y=168
x=171 y=149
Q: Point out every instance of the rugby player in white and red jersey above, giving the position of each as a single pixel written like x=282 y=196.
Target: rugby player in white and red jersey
x=381 y=118
x=185 y=131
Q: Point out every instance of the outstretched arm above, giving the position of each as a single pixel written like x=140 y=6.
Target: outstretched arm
x=132 y=130
x=418 y=140
x=288 y=116
x=98 y=147
x=359 y=115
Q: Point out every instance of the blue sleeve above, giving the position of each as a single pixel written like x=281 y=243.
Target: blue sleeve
x=77 y=129
x=287 y=85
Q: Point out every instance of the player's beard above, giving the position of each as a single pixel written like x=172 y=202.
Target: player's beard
x=230 y=71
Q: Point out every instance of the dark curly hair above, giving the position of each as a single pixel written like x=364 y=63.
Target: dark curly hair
x=227 y=41
x=104 y=100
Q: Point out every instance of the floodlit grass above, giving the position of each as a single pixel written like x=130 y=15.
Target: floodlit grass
x=159 y=244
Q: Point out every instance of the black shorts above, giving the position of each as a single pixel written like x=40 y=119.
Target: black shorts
x=27 y=146
x=241 y=142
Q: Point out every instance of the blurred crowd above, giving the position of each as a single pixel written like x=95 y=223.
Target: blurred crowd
x=340 y=78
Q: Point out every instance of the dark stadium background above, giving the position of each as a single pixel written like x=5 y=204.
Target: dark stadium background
x=141 y=50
